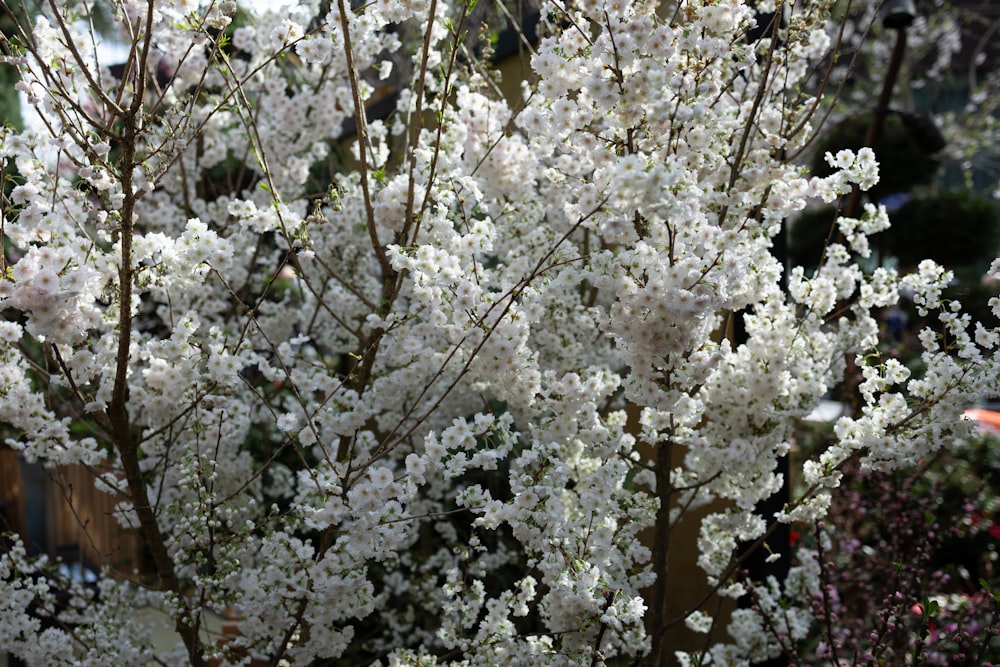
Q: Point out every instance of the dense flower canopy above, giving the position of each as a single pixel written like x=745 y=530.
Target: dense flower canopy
x=417 y=393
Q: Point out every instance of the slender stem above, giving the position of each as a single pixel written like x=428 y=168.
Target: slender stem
x=361 y=120
x=186 y=624
x=656 y=621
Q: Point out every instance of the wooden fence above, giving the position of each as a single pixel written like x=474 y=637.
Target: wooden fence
x=79 y=521
x=11 y=503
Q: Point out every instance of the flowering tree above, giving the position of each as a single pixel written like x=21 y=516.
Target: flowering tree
x=442 y=392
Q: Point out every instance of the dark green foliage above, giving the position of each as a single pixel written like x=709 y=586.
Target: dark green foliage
x=952 y=228
x=903 y=164
x=956 y=229
x=808 y=236
x=10 y=103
